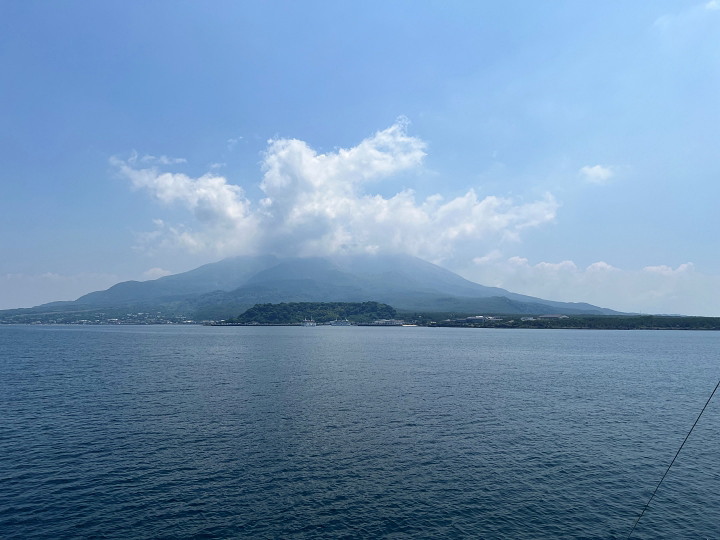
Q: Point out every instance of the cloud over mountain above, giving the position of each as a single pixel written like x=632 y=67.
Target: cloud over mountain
x=322 y=203
x=656 y=289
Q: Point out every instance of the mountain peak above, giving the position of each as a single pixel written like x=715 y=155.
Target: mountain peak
x=403 y=281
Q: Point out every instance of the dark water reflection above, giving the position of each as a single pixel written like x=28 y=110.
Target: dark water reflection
x=151 y=432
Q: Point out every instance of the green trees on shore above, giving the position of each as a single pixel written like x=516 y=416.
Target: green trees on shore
x=590 y=322
x=320 y=312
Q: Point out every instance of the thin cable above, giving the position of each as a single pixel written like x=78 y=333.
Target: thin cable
x=673 y=460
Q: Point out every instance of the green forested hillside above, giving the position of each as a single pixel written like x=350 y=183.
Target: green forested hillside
x=320 y=312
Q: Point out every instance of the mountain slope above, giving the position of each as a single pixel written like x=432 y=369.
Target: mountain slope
x=227 y=287
x=405 y=282
x=224 y=275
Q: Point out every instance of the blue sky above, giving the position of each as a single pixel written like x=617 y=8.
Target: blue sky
x=567 y=149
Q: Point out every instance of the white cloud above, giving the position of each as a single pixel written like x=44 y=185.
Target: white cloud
x=597 y=174
x=713 y=5
x=494 y=256
x=227 y=223
x=653 y=289
x=315 y=204
x=601 y=266
x=154 y=273
x=668 y=270
x=564 y=266
x=155 y=160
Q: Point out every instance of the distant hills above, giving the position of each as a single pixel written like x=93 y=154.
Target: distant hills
x=227 y=288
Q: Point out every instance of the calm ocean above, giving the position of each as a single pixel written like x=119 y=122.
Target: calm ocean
x=331 y=432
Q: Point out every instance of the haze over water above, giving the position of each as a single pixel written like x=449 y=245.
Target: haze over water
x=147 y=432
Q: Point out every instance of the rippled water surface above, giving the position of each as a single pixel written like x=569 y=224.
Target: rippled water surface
x=209 y=432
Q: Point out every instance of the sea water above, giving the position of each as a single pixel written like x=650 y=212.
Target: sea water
x=356 y=432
